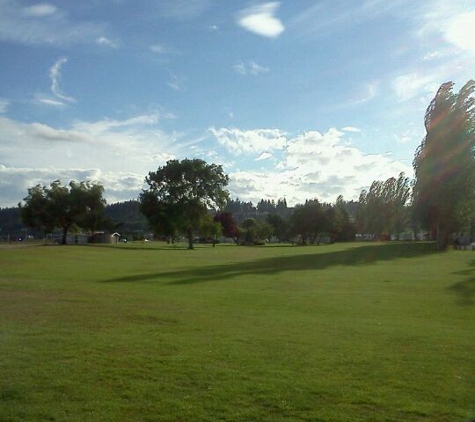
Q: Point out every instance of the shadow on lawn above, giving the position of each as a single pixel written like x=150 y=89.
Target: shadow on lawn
x=353 y=256
x=466 y=289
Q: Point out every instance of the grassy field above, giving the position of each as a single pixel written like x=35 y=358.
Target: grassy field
x=145 y=332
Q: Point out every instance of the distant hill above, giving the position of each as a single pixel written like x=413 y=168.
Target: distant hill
x=10 y=223
x=127 y=219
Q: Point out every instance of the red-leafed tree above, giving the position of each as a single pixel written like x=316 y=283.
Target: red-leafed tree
x=230 y=228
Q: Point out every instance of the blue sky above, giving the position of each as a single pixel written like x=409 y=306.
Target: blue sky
x=298 y=99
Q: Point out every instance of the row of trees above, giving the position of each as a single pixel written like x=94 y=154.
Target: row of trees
x=183 y=195
x=307 y=223
x=383 y=209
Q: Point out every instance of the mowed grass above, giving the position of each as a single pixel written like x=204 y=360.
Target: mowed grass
x=146 y=332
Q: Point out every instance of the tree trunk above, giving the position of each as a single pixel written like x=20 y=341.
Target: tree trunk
x=442 y=238
x=190 y=238
x=65 y=235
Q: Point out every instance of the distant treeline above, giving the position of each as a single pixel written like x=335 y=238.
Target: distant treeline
x=127 y=219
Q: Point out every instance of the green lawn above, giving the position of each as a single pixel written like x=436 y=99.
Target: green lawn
x=145 y=332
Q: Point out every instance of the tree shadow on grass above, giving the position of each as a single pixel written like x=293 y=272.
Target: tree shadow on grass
x=352 y=256
x=135 y=247
x=465 y=289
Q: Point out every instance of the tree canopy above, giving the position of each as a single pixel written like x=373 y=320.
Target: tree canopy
x=180 y=194
x=444 y=165
x=57 y=206
x=382 y=209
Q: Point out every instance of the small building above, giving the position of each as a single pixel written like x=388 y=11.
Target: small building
x=100 y=237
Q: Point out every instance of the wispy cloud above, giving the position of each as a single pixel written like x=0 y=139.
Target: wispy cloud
x=240 y=68
x=261 y=20
x=252 y=68
x=351 y=129
x=327 y=18
x=249 y=141
x=49 y=101
x=264 y=156
x=40 y=10
x=55 y=76
x=176 y=83
x=44 y=23
x=133 y=147
x=181 y=9
x=415 y=85
x=158 y=49
x=106 y=42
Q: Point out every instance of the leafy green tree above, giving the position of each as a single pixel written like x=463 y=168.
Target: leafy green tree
x=382 y=210
x=77 y=204
x=342 y=228
x=180 y=193
x=444 y=164
x=279 y=226
x=255 y=232
x=308 y=221
x=210 y=229
x=400 y=195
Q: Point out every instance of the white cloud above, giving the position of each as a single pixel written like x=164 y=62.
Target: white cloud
x=158 y=49
x=240 y=68
x=176 y=83
x=351 y=129
x=119 y=153
x=106 y=42
x=252 y=68
x=414 y=85
x=44 y=23
x=264 y=156
x=256 y=69
x=260 y=20
x=40 y=10
x=49 y=101
x=460 y=31
x=249 y=141
x=55 y=76
x=109 y=150
x=315 y=165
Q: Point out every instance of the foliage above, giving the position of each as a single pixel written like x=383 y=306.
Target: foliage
x=279 y=225
x=444 y=163
x=309 y=221
x=255 y=232
x=242 y=210
x=342 y=227
x=180 y=194
x=383 y=209
x=78 y=204
x=210 y=229
x=127 y=218
x=228 y=225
